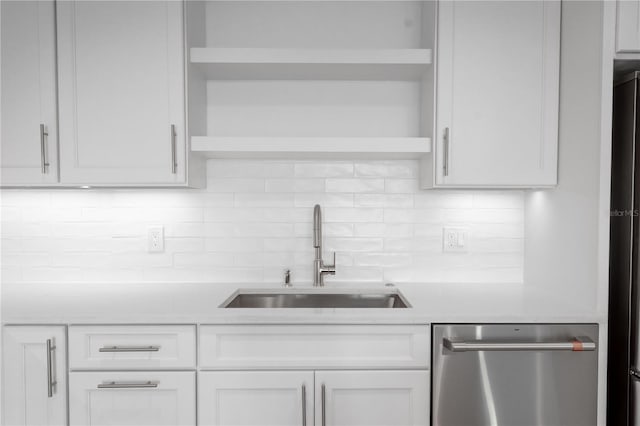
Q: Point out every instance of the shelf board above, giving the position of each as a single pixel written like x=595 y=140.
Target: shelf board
x=311 y=147
x=301 y=64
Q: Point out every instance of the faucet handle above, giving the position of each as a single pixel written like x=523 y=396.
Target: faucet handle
x=287 y=278
x=333 y=265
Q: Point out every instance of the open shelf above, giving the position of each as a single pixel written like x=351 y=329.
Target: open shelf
x=324 y=64
x=311 y=147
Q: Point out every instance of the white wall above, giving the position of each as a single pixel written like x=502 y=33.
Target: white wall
x=254 y=220
x=562 y=224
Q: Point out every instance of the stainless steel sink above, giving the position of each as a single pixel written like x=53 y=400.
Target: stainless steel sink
x=286 y=299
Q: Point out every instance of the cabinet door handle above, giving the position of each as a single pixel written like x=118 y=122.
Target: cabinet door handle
x=44 y=160
x=445 y=159
x=323 y=406
x=304 y=405
x=174 y=160
x=129 y=349
x=127 y=385
x=51 y=381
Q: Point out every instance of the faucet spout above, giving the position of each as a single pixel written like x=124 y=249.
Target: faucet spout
x=320 y=269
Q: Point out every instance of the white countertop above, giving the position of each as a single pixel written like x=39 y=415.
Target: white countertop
x=166 y=303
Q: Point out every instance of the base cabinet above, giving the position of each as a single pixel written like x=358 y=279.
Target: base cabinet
x=132 y=398
x=267 y=398
x=338 y=398
x=372 y=398
x=34 y=375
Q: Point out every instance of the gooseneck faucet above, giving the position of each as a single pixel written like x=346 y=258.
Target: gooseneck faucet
x=320 y=269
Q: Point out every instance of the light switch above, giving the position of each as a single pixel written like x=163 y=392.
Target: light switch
x=455 y=240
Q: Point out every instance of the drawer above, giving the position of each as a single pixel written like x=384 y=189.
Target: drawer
x=132 y=347
x=156 y=398
x=314 y=346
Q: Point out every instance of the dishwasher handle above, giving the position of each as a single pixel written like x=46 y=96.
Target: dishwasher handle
x=577 y=344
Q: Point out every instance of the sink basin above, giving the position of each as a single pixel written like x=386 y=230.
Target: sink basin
x=287 y=299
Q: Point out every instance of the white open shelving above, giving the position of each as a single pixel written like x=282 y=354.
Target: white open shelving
x=311 y=79
x=321 y=64
x=311 y=147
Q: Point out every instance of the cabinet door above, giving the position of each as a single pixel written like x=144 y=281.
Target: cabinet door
x=29 y=121
x=121 y=77
x=370 y=398
x=250 y=398
x=628 y=26
x=498 y=93
x=132 y=398
x=34 y=375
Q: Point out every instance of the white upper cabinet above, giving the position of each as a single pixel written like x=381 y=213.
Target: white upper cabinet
x=498 y=66
x=29 y=121
x=628 y=26
x=121 y=92
x=34 y=375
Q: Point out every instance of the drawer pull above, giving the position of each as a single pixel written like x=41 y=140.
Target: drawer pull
x=127 y=385
x=129 y=349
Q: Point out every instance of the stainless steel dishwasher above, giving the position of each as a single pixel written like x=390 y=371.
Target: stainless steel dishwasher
x=514 y=375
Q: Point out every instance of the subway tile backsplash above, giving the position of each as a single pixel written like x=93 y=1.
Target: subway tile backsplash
x=254 y=220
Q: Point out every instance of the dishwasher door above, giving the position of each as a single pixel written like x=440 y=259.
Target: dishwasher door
x=514 y=375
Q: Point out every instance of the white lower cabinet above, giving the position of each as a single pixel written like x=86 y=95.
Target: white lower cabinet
x=338 y=398
x=132 y=398
x=266 y=398
x=34 y=375
x=372 y=398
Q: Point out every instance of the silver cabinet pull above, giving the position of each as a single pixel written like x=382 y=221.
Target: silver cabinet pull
x=129 y=349
x=323 y=405
x=304 y=405
x=51 y=381
x=445 y=157
x=44 y=160
x=574 y=345
x=174 y=160
x=127 y=385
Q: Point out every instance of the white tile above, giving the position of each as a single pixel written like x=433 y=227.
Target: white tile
x=328 y=230
x=498 y=199
x=325 y=200
x=383 y=230
x=233 y=245
x=389 y=169
x=328 y=169
x=295 y=185
x=352 y=244
x=287 y=244
x=355 y=185
x=263 y=230
x=254 y=220
x=385 y=260
x=338 y=214
x=249 y=168
x=357 y=274
x=395 y=186
x=235 y=185
x=383 y=200
x=184 y=260
x=264 y=200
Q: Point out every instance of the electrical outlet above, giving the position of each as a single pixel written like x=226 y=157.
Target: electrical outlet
x=455 y=240
x=156 y=239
